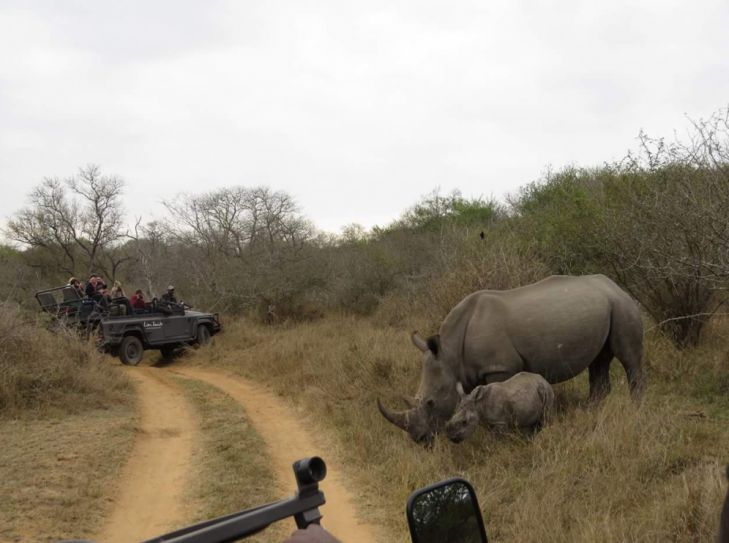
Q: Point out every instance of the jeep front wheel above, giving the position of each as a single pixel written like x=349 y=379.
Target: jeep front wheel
x=131 y=351
x=203 y=335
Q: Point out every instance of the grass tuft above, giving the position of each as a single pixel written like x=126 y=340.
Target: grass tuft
x=53 y=374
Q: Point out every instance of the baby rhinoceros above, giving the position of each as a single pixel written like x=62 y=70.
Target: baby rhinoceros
x=522 y=401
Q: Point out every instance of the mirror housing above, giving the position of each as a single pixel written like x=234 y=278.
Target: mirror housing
x=446 y=511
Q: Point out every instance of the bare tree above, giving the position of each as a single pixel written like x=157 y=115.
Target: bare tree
x=99 y=213
x=75 y=222
x=149 y=242
x=252 y=240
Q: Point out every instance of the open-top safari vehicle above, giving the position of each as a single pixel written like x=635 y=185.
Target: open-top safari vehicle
x=127 y=332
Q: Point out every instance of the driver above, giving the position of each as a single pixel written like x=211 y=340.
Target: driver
x=169 y=296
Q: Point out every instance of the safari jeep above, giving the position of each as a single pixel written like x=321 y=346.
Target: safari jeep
x=126 y=332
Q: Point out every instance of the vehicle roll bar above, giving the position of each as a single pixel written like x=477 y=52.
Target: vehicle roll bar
x=303 y=506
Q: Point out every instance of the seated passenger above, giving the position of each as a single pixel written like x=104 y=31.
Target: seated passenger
x=96 y=290
x=137 y=300
x=76 y=284
x=117 y=291
x=90 y=289
x=101 y=286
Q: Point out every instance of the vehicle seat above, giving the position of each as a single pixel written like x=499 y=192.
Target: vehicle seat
x=47 y=301
x=87 y=307
x=70 y=294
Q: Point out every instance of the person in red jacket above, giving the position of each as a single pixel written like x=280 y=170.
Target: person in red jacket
x=137 y=300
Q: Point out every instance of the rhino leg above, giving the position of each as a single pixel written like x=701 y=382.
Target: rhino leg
x=628 y=348
x=626 y=341
x=600 y=375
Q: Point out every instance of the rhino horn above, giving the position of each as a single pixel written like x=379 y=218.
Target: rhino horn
x=410 y=402
x=418 y=341
x=398 y=418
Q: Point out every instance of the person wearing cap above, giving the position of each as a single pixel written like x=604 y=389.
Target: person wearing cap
x=169 y=296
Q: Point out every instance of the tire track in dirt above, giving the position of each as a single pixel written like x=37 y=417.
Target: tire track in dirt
x=287 y=442
x=150 y=498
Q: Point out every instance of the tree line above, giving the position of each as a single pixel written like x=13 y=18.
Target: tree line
x=657 y=222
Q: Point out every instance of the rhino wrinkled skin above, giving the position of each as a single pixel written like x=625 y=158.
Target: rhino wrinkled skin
x=557 y=328
x=522 y=401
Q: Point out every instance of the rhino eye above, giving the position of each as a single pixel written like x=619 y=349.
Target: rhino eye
x=429 y=403
x=464 y=422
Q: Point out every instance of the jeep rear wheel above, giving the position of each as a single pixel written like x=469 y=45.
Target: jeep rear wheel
x=203 y=335
x=131 y=351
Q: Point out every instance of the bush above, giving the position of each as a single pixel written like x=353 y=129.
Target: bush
x=463 y=263
x=656 y=223
x=42 y=372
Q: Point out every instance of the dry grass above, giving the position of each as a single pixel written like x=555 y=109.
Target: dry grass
x=613 y=473
x=45 y=374
x=66 y=426
x=468 y=264
x=58 y=473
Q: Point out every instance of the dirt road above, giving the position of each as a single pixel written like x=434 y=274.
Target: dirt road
x=152 y=484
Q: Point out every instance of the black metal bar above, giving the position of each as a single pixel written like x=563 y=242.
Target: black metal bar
x=204 y=524
x=239 y=525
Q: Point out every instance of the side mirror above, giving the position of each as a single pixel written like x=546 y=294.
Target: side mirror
x=446 y=511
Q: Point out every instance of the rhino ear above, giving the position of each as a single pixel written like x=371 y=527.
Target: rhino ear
x=479 y=393
x=459 y=389
x=418 y=341
x=434 y=344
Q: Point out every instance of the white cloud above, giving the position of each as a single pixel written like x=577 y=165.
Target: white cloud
x=354 y=108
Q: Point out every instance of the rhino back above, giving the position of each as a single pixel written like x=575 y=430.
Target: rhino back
x=555 y=327
x=518 y=401
x=529 y=396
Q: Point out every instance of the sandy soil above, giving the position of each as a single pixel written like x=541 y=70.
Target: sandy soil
x=287 y=442
x=151 y=487
x=150 y=500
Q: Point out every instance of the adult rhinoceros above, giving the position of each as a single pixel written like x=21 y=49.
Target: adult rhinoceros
x=556 y=328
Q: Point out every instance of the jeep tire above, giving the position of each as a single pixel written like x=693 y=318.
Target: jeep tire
x=203 y=335
x=131 y=350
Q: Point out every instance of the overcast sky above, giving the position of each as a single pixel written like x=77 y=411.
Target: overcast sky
x=356 y=109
